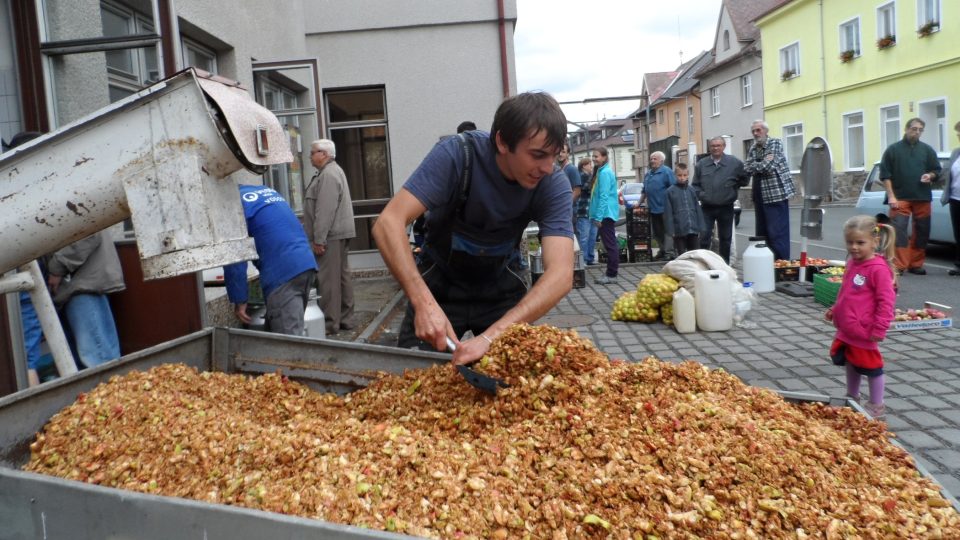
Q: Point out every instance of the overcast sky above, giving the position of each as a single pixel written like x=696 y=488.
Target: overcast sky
x=580 y=49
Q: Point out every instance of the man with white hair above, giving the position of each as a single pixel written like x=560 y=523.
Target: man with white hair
x=655 y=184
x=328 y=222
x=772 y=189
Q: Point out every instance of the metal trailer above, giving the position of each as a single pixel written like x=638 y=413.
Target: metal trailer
x=40 y=506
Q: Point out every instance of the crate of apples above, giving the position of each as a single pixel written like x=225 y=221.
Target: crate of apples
x=930 y=316
x=918 y=314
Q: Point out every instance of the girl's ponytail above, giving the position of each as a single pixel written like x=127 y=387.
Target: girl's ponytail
x=887 y=237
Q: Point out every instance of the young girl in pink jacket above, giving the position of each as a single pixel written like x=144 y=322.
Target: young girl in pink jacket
x=864 y=307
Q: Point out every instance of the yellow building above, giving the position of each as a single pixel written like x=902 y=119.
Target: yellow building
x=854 y=71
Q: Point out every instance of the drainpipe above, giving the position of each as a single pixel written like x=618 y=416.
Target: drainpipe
x=504 y=72
x=823 y=77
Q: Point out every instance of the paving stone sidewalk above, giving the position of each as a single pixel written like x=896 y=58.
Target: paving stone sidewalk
x=787 y=351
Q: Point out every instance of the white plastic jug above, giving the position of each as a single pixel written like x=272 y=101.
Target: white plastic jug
x=758 y=265
x=684 y=311
x=714 y=304
x=313 y=320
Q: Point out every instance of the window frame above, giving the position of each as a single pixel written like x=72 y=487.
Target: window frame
x=746 y=90
x=726 y=40
x=881 y=31
x=690 y=120
x=676 y=123
x=188 y=44
x=857 y=46
x=137 y=25
x=786 y=145
x=923 y=17
x=884 y=142
x=715 y=101
x=785 y=57
x=364 y=209
x=847 y=126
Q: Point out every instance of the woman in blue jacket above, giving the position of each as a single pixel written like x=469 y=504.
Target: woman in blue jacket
x=604 y=210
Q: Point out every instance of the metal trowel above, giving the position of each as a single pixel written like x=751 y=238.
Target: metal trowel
x=476 y=379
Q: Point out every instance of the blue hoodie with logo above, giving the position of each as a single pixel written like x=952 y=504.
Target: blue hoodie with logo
x=282 y=246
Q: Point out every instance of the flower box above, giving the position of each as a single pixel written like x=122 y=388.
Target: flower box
x=847 y=56
x=886 y=41
x=928 y=28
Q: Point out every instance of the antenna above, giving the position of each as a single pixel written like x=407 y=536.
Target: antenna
x=679 y=40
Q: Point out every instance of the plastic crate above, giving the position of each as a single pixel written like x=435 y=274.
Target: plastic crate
x=786 y=273
x=824 y=290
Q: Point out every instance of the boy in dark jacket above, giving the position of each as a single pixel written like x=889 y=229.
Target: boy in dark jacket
x=682 y=216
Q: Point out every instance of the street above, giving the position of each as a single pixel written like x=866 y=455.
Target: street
x=936 y=286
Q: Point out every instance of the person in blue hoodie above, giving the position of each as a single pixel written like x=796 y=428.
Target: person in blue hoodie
x=285 y=261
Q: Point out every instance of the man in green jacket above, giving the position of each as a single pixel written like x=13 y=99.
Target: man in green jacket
x=907 y=168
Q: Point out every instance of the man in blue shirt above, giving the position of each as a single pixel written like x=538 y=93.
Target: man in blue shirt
x=285 y=261
x=655 y=184
x=481 y=191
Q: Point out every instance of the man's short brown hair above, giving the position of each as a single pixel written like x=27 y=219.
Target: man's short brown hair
x=527 y=114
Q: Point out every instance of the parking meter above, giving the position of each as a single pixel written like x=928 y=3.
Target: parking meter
x=816 y=173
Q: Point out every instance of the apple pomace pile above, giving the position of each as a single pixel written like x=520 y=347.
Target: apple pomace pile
x=577 y=447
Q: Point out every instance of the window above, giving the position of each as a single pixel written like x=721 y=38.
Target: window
x=128 y=70
x=934 y=114
x=660 y=116
x=690 y=122
x=358 y=127
x=853 y=140
x=887 y=21
x=746 y=90
x=11 y=121
x=889 y=126
x=793 y=145
x=199 y=56
x=850 y=36
x=676 y=122
x=790 y=61
x=288 y=90
x=714 y=101
x=928 y=11
x=726 y=40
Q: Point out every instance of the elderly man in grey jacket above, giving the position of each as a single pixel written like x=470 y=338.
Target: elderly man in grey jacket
x=328 y=221
x=718 y=178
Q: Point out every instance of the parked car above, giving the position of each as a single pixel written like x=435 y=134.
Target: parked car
x=873 y=195
x=629 y=196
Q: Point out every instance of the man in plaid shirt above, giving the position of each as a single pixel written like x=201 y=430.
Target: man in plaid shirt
x=772 y=189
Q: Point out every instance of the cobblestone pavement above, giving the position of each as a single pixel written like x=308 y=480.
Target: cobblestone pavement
x=787 y=351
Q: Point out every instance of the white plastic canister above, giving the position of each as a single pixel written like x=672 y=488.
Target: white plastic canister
x=684 y=311
x=313 y=323
x=758 y=265
x=714 y=304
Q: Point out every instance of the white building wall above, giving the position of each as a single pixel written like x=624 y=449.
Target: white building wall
x=247 y=31
x=438 y=61
x=734 y=118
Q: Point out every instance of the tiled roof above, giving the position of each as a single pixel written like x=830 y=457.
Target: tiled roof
x=686 y=80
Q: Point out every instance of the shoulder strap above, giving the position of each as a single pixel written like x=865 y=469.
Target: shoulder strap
x=465 y=176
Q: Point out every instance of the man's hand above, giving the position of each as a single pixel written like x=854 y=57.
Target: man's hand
x=432 y=326
x=470 y=351
x=319 y=249
x=240 y=310
x=53 y=281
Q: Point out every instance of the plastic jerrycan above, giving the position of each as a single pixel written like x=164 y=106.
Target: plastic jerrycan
x=758 y=265
x=684 y=311
x=714 y=303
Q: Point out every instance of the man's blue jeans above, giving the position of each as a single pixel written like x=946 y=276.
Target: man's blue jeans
x=94 y=331
x=587 y=237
